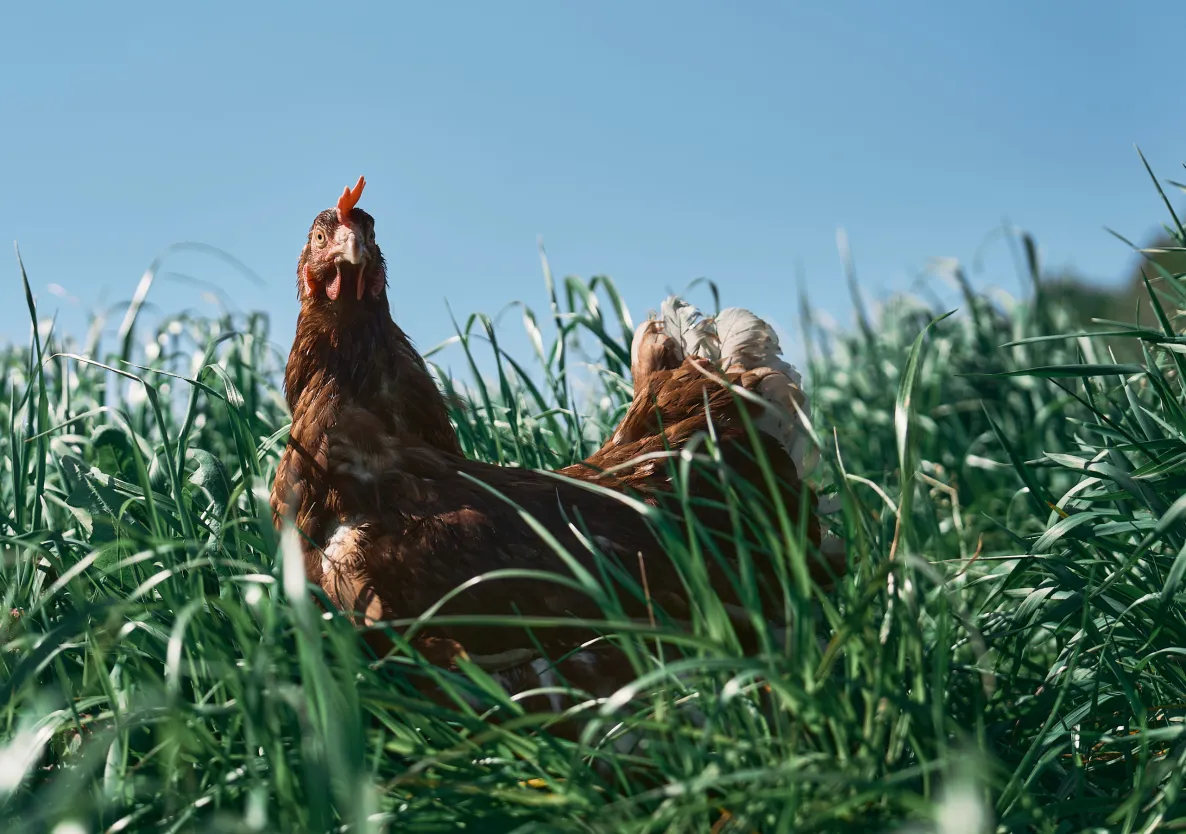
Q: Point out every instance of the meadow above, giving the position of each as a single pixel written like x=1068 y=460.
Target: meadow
x=1005 y=654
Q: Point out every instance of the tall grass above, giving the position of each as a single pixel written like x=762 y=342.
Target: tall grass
x=1006 y=653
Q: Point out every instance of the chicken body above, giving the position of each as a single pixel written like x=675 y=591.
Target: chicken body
x=393 y=518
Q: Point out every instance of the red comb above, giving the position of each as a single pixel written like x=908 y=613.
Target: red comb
x=349 y=199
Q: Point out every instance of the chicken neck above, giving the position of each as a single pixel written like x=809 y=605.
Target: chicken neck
x=362 y=358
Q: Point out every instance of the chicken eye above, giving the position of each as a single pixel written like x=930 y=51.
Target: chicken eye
x=371 y=236
x=319 y=237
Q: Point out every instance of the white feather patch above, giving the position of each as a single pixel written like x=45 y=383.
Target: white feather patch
x=342 y=544
x=688 y=325
x=546 y=673
x=748 y=341
x=782 y=420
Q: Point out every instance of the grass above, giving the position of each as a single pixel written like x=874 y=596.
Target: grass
x=1006 y=653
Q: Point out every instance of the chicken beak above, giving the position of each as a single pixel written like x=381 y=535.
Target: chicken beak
x=349 y=245
x=349 y=248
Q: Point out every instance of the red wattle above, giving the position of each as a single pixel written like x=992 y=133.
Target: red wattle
x=331 y=289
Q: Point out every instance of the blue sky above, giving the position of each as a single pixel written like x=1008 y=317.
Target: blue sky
x=656 y=142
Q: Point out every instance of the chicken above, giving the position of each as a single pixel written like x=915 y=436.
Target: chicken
x=392 y=518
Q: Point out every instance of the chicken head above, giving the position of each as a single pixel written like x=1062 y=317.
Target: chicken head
x=341 y=262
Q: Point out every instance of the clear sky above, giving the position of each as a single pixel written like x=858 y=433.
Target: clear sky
x=656 y=142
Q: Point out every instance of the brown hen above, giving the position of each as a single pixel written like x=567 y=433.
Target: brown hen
x=392 y=517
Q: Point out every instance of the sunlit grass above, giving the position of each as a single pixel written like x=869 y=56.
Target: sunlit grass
x=1007 y=647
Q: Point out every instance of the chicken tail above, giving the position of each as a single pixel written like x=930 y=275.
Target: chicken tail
x=746 y=348
x=735 y=340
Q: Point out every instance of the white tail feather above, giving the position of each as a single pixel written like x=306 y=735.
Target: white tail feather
x=783 y=422
x=742 y=335
x=687 y=324
x=750 y=342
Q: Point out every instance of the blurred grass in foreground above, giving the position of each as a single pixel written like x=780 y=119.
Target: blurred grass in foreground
x=1006 y=653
